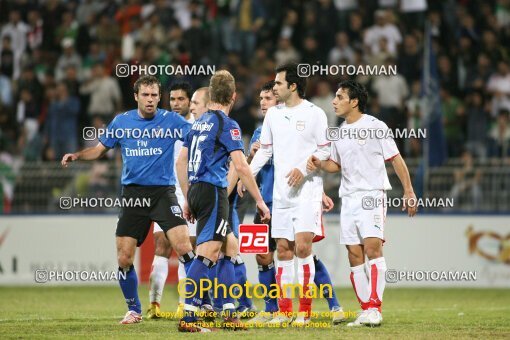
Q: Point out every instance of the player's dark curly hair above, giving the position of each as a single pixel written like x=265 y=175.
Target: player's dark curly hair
x=356 y=91
x=268 y=86
x=185 y=86
x=292 y=77
x=147 y=81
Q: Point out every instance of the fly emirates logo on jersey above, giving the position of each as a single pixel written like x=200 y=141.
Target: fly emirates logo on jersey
x=142 y=149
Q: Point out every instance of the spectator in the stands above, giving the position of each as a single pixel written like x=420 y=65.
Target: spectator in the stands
x=499 y=87
x=477 y=117
x=69 y=57
x=500 y=136
x=61 y=130
x=104 y=91
x=382 y=29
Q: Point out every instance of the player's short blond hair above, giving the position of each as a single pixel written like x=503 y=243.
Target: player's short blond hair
x=221 y=87
x=205 y=90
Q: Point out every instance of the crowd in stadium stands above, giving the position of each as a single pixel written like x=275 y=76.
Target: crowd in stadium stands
x=58 y=60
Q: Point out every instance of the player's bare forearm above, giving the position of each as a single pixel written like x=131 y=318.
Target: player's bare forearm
x=260 y=159
x=182 y=171
x=89 y=154
x=92 y=153
x=330 y=166
x=403 y=173
x=232 y=178
x=245 y=174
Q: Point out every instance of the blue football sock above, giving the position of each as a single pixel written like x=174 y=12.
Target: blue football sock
x=267 y=277
x=198 y=270
x=217 y=301
x=226 y=276
x=186 y=260
x=322 y=278
x=128 y=282
x=240 y=278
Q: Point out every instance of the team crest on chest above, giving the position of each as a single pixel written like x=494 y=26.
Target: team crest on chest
x=300 y=125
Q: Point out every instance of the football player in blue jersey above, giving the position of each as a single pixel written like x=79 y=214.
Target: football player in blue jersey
x=146 y=137
x=204 y=163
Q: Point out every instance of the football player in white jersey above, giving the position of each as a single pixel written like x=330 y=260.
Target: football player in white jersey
x=360 y=148
x=291 y=133
x=191 y=108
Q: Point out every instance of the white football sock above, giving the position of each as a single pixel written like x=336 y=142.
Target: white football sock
x=377 y=268
x=360 y=284
x=158 y=277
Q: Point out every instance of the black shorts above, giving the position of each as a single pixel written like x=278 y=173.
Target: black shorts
x=272 y=241
x=164 y=209
x=209 y=204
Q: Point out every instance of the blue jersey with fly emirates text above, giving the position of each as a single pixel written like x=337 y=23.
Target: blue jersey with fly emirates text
x=210 y=141
x=147 y=145
x=265 y=177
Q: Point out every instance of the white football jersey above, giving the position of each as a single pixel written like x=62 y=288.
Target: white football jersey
x=361 y=152
x=295 y=134
x=177 y=149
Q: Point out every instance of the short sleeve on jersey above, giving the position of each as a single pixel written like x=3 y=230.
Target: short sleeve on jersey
x=335 y=154
x=109 y=139
x=321 y=127
x=231 y=136
x=388 y=145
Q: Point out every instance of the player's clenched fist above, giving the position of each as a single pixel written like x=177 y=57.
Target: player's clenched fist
x=187 y=213
x=68 y=157
x=240 y=189
x=327 y=203
x=265 y=214
x=313 y=163
x=295 y=177
x=254 y=148
x=410 y=203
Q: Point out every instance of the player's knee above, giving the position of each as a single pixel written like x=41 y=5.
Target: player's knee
x=303 y=249
x=356 y=258
x=183 y=248
x=373 y=252
x=264 y=259
x=124 y=260
x=284 y=253
x=161 y=246
x=232 y=247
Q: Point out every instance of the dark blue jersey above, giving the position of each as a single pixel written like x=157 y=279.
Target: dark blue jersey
x=265 y=177
x=147 y=145
x=210 y=141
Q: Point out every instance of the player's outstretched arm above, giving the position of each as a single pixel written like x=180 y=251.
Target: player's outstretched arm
x=246 y=176
x=88 y=154
x=315 y=163
x=403 y=174
x=264 y=154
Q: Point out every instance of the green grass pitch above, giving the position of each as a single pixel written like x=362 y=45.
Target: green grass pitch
x=94 y=312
